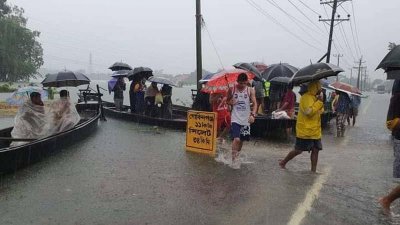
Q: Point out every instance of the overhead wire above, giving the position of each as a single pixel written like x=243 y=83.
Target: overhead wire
x=267 y=15
x=336 y=43
x=308 y=7
x=354 y=39
x=343 y=32
x=299 y=10
x=357 y=49
x=355 y=26
x=297 y=21
x=212 y=42
x=294 y=19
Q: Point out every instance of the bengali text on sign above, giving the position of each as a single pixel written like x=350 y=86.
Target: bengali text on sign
x=201 y=132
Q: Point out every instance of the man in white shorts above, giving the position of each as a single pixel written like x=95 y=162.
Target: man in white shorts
x=242 y=115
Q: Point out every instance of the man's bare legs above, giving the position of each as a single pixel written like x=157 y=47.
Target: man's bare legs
x=289 y=157
x=314 y=159
x=294 y=153
x=387 y=200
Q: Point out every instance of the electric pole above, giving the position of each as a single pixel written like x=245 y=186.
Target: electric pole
x=351 y=75
x=359 y=71
x=331 y=23
x=338 y=62
x=199 y=67
x=90 y=70
x=365 y=79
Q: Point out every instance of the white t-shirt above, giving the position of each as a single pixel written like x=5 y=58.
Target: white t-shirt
x=241 y=110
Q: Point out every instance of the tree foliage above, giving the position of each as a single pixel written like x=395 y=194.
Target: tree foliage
x=21 y=55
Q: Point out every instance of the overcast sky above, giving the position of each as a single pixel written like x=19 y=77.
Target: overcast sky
x=161 y=34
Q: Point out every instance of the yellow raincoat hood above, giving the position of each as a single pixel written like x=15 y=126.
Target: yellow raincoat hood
x=308 y=125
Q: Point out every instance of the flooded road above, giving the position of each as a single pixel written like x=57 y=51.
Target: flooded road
x=127 y=173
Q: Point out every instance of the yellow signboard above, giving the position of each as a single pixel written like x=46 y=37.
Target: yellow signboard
x=201 y=132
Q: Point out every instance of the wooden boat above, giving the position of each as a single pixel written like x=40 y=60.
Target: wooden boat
x=261 y=125
x=13 y=158
x=178 y=120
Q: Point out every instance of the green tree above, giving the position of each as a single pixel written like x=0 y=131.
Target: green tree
x=21 y=55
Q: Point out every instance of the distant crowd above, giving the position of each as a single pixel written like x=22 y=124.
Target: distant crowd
x=150 y=101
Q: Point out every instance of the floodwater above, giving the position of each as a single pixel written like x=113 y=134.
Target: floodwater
x=127 y=173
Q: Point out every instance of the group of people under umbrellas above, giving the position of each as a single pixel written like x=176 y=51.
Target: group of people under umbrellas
x=36 y=120
x=345 y=101
x=150 y=100
x=231 y=92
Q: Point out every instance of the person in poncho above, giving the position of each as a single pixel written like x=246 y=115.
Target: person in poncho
x=63 y=114
x=30 y=121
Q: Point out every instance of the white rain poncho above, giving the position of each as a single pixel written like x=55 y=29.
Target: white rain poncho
x=62 y=115
x=30 y=123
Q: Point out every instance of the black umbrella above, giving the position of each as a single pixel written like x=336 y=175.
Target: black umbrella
x=139 y=73
x=314 y=72
x=161 y=80
x=120 y=66
x=279 y=70
x=393 y=73
x=251 y=68
x=391 y=63
x=121 y=73
x=65 y=79
x=280 y=80
x=391 y=60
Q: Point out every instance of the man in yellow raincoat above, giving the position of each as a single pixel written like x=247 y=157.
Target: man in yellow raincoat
x=393 y=124
x=308 y=125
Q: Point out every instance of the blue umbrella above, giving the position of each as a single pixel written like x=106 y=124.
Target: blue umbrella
x=22 y=94
x=111 y=84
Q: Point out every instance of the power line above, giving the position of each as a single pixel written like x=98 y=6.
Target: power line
x=308 y=7
x=345 y=40
x=337 y=40
x=311 y=21
x=354 y=39
x=266 y=14
x=295 y=20
x=344 y=9
x=355 y=26
x=331 y=24
x=212 y=42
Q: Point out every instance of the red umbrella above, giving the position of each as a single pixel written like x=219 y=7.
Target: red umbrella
x=224 y=80
x=349 y=89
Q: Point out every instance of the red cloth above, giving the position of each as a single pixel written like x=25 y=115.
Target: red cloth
x=223 y=115
x=290 y=98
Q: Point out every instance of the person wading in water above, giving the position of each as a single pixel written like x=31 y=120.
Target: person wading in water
x=242 y=115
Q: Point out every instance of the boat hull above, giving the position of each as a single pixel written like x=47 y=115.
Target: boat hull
x=14 y=158
x=179 y=123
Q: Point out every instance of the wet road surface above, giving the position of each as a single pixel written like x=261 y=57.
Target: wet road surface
x=127 y=173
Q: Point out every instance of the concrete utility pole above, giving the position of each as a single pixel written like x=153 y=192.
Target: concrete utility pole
x=199 y=67
x=331 y=23
x=359 y=71
x=338 y=62
x=365 y=79
x=351 y=74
